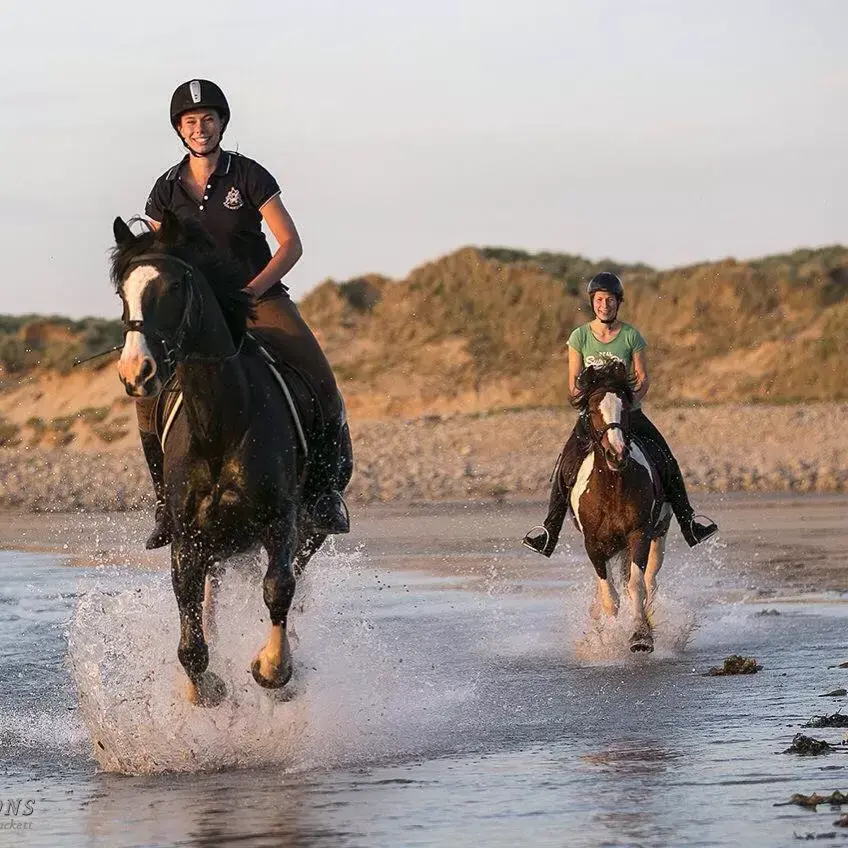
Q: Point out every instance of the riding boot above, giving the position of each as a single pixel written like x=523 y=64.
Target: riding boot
x=332 y=464
x=543 y=538
x=161 y=534
x=693 y=531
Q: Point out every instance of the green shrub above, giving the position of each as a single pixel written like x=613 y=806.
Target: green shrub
x=111 y=432
x=93 y=414
x=9 y=434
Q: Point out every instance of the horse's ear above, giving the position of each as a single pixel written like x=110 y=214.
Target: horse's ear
x=171 y=230
x=123 y=234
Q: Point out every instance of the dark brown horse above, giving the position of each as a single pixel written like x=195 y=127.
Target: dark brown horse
x=234 y=471
x=617 y=500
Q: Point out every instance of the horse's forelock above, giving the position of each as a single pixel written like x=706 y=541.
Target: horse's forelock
x=596 y=378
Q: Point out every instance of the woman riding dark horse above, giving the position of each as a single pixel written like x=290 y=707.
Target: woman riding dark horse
x=601 y=341
x=236 y=453
x=231 y=195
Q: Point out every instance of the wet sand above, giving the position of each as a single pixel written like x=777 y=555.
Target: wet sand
x=451 y=689
x=785 y=543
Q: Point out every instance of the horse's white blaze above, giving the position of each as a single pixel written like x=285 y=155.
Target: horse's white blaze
x=581 y=485
x=610 y=408
x=136 y=349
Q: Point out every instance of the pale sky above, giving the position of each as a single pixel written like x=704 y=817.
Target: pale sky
x=661 y=131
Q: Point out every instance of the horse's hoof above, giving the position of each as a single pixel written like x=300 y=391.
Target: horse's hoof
x=278 y=680
x=641 y=643
x=208 y=691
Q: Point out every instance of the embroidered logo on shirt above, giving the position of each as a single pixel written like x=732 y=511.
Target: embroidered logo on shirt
x=233 y=199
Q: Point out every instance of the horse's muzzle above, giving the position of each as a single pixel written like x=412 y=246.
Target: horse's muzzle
x=616 y=462
x=147 y=389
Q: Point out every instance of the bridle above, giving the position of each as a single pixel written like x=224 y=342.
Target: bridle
x=596 y=434
x=189 y=320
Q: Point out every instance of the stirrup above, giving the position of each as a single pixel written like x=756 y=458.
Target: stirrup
x=335 y=518
x=536 y=546
x=704 y=531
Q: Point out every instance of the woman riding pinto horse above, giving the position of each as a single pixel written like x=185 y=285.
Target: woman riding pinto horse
x=599 y=342
x=231 y=195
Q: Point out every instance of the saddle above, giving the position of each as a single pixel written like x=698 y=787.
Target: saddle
x=299 y=397
x=657 y=461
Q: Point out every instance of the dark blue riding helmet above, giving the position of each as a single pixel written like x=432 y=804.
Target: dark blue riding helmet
x=606 y=281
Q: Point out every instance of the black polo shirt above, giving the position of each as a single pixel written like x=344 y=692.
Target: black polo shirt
x=229 y=208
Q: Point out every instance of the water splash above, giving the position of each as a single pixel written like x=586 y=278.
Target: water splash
x=355 y=699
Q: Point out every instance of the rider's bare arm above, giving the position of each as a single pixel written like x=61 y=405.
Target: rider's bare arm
x=289 y=251
x=575 y=366
x=640 y=370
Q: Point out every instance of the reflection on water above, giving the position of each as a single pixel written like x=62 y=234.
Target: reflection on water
x=627 y=772
x=434 y=710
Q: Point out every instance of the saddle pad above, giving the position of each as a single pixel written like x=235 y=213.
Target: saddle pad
x=171 y=413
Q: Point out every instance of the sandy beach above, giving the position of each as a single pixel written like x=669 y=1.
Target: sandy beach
x=502 y=456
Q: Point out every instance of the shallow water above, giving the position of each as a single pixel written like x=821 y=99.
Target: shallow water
x=440 y=699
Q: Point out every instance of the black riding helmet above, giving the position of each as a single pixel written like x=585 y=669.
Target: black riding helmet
x=606 y=281
x=198 y=94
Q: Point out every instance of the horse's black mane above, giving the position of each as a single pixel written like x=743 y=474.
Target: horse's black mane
x=225 y=275
x=611 y=377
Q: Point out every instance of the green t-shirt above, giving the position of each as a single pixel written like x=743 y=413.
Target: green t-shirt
x=620 y=349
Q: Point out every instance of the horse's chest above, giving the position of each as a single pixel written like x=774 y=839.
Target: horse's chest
x=601 y=506
x=216 y=493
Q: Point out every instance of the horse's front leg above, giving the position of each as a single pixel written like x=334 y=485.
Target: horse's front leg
x=606 y=597
x=656 y=555
x=272 y=666
x=639 y=547
x=188 y=575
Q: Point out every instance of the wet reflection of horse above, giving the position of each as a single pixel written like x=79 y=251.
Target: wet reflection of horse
x=234 y=472
x=617 y=500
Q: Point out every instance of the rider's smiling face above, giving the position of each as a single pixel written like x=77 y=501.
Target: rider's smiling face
x=605 y=305
x=201 y=129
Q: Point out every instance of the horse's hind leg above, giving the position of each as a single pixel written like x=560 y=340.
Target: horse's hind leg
x=188 y=573
x=639 y=547
x=272 y=667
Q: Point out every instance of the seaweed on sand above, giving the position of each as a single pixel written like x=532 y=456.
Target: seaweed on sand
x=835 y=720
x=806 y=746
x=734 y=664
x=835 y=799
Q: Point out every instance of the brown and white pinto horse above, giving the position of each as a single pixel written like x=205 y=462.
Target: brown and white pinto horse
x=617 y=500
